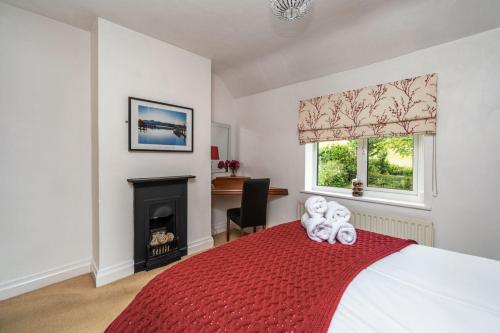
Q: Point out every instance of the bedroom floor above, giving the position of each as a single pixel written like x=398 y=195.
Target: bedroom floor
x=75 y=305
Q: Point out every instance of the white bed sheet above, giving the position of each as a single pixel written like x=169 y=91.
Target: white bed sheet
x=422 y=289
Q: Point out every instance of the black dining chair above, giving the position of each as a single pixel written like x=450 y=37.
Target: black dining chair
x=253 y=211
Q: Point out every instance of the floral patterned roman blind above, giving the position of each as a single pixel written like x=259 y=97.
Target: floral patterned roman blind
x=399 y=108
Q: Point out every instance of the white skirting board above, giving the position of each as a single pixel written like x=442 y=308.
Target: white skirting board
x=112 y=273
x=101 y=277
x=200 y=245
x=119 y=271
x=32 y=282
x=219 y=227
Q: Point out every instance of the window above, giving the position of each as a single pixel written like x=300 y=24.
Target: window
x=337 y=163
x=390 y=167
x=390 y=163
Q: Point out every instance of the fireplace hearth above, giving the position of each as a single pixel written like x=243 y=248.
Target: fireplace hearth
x=160 y=221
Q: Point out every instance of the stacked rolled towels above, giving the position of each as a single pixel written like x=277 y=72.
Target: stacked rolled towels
x=328 y=221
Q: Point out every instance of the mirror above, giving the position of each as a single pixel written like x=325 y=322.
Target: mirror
x=221 y=138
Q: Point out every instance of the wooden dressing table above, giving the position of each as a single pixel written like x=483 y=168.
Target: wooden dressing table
x=234 y=186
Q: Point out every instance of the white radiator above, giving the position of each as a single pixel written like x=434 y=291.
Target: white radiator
x=403 y=227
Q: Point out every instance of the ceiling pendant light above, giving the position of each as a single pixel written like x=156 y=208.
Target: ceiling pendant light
x=290 y=10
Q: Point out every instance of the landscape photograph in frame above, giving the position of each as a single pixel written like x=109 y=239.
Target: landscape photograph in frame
x=156 y=126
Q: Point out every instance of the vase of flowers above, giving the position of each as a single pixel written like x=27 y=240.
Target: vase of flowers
x=232 y=165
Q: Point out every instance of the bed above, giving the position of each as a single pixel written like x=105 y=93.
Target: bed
x=280 y=281
x=422 y=289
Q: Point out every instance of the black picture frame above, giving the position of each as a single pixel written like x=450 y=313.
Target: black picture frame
x=134 y=143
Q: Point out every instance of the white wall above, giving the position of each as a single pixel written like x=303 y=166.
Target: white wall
x=94 y=142
x=132 y=64
x=224 y=110
x=45 y=200
x=464 y=213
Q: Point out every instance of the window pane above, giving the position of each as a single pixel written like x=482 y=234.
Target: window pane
x=390 y=162
x=336 y=163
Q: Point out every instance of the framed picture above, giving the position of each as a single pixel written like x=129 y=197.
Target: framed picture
x=155 y=126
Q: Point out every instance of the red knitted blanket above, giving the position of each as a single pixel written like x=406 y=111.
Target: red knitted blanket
x=275 y=281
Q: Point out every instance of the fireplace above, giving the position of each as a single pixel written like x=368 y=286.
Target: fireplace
x=160 y=221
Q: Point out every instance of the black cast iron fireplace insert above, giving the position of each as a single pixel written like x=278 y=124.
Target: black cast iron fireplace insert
x=160 y=221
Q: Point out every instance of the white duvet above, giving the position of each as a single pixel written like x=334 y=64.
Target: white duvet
x=422 y=289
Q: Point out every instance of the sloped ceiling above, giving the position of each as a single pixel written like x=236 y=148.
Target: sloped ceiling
x=252 y=51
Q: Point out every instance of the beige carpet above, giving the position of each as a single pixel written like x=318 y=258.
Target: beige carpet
x=75 y=305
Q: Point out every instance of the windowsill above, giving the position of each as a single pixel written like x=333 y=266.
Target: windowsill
x=406 y=204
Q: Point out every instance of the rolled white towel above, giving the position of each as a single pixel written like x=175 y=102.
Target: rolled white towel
x=303 y=220
x=316 y=206
x=318 y=229
x=347 y=234
x=336 y=211
x=335 y=230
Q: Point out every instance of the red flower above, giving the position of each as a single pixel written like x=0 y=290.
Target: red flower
x=234 y=165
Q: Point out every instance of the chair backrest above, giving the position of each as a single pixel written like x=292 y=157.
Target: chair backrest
x=254 y=202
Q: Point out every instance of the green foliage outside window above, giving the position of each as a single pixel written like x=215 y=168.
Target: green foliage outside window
x=337 y=163
x=390 y=163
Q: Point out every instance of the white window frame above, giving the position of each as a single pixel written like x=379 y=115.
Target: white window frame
x=417 y=198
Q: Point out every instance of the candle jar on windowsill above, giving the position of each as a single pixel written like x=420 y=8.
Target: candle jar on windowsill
x=357 y=188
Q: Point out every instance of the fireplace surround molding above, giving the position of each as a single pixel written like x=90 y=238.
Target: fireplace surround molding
x=160 y=220
x=105 y=275
x=158 y=179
